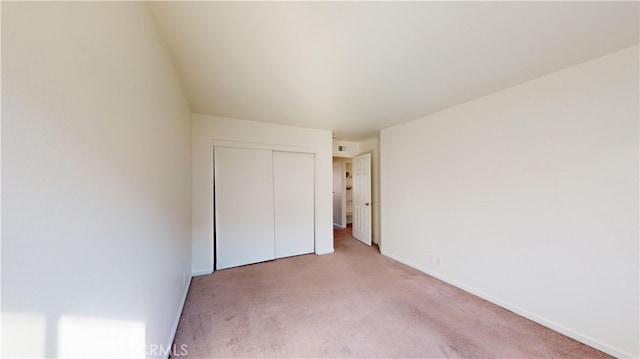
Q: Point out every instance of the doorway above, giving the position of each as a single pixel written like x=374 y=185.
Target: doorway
x=339 y=193
x=352 y=196
x=344 y=151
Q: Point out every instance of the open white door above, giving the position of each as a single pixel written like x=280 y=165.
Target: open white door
x=361 y=167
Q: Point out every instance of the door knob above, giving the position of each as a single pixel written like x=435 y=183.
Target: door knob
x=366 y=204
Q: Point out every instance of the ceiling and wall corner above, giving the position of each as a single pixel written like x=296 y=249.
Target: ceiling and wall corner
x=357 y=67
x=81 y=92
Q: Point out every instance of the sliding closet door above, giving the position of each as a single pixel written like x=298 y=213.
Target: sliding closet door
x=243 y=206
x=293 y=185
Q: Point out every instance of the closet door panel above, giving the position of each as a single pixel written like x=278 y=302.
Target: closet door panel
x=294 y=182
x=244 y=214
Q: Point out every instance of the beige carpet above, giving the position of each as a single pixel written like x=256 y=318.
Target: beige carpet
x=353 y=303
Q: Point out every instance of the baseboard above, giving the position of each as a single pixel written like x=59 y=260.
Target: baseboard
x=522 y=312
x=196 y=273
x=174 y=330
x=320 y=253
x=337 y=226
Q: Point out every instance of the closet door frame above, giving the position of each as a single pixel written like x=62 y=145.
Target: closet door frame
x=258 y=146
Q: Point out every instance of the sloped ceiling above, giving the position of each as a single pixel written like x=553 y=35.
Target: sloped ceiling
x=357 y=67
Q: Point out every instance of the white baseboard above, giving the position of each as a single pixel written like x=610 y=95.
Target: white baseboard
x=320 y=253
x=339 y=226
x=174 y=330
x=522 y=312
x=196 y=273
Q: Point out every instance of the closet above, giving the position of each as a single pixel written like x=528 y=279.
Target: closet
x=264 y=205
x=349 y=191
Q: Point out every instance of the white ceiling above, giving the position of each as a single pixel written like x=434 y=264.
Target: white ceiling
x=357 y=67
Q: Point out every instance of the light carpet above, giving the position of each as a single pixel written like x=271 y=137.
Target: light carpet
x=354 y=303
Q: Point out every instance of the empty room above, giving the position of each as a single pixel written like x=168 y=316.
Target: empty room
x=320 y=179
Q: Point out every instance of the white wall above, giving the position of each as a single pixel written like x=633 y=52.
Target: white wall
x=206 y=129
x=529 y=197
x=350 y=148
x=96 y=182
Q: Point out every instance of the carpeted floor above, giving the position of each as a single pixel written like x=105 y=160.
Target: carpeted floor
x=353 y=303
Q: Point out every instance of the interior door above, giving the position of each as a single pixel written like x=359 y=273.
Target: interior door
x=361 y=167
x=294 y=203
x=244 y=226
